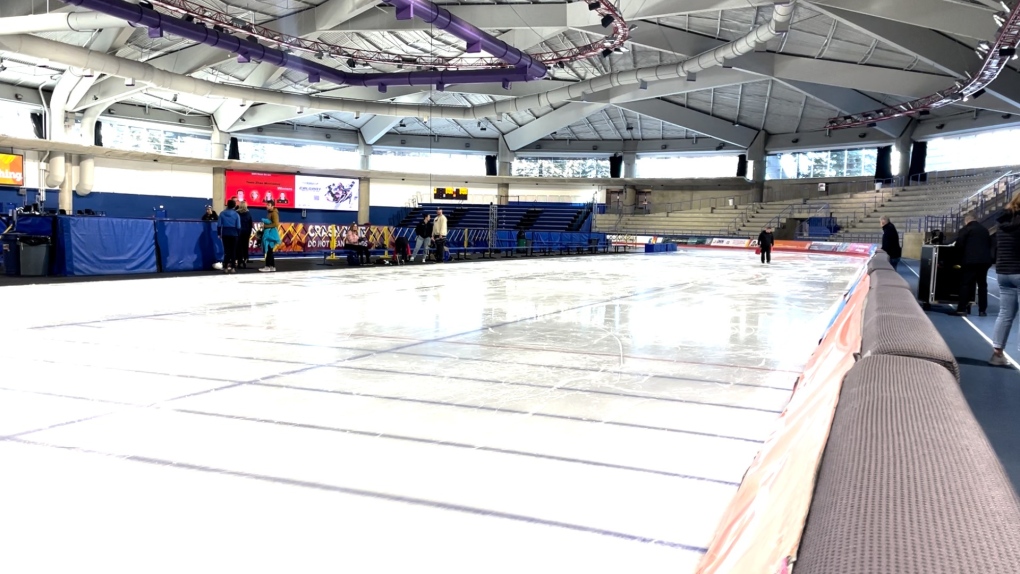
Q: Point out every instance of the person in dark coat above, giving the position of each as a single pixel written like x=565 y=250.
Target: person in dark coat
x=244 y=238
x=891 y=242
x=1007 y=272
x=975 y=246
x=230 y=226
x=765 y=242
x=210 y=214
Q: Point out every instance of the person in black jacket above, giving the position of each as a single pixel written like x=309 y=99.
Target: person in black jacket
x=765 y=242
x=1007 y=272
x=244 y=239
x=975 y=247
x=891 y=241
x=210 y=214
x=423 y=233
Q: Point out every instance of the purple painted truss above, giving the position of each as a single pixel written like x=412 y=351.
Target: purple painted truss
x=477 y=40
x=249 y=49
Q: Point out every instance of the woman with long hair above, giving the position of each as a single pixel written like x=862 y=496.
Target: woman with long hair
x=1007 y=271
x=270 y=235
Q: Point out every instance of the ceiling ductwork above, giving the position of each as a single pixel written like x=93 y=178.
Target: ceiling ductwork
x=522 y=67
x=59 y=22
x=145 y=73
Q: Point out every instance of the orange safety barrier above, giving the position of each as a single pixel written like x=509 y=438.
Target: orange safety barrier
x=761 y=530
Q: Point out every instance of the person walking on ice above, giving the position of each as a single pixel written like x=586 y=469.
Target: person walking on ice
x=765 y=242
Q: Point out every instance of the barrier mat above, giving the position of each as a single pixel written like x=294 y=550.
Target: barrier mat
x=104 y=246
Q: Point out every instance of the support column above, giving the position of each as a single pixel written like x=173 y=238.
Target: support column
x=502 y=193
x=364 y=199
x=65 y=199
x=903 y=146
x=220 y=140
x=505 y=157
x=629 y=164
x=756 y=155
x=219 y=191
x=365 y=151
x=904 y=143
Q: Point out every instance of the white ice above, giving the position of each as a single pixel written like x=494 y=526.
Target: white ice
x=590 y=414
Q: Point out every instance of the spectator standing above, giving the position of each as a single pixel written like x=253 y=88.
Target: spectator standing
x=210 y=215
x=230 y=228
x=975 y=246
x=270 y=235
x=439 y=231
x=765 y=242
x=423 y=233
x=244 y=237
x=1007 y=272
x=891 y=241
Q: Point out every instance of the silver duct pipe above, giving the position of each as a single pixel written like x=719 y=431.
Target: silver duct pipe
x=59 y=22
x=782 y=14
x=87 y=163
x=114 y=66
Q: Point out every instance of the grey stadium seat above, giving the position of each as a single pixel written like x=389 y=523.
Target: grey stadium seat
x=908 y=482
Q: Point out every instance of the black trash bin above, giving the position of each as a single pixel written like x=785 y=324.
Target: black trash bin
x=35 y=255
x=12 y=253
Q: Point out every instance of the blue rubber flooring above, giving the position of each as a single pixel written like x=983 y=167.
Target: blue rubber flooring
x=992 y=392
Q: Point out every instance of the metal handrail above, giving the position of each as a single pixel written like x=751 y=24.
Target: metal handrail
x=981 y=203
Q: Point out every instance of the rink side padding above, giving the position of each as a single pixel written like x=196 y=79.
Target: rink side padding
x=762 y=528
x=829 y=247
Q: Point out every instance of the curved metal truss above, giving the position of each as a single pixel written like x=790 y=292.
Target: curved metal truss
x=996 y=56
x=352 y=57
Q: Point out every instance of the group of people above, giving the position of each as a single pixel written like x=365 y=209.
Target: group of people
x=428 y=233
x=235 y=229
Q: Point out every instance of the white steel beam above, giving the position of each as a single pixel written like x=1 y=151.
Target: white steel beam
x=377 y=127
x=933 y=48
x=712 y=78
x=549 y=123
x=230 y=111
x=694 y=120
x=665 y=39
x=849 y=102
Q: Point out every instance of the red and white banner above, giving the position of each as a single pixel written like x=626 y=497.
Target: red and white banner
x=291 y=191
x=255 y=188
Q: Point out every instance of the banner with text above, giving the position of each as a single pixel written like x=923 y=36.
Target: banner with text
x=12 y=170
x=291 y=191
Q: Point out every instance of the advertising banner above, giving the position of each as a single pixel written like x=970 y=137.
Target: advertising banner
x=255 y=188
x=728 y=242
x=312 y=237
x=459 y=193
x=328 y=193
x=12 y=170
x=824 y=246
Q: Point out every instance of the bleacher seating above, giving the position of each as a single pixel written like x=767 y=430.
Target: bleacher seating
x=854 y=212
x=552 y=217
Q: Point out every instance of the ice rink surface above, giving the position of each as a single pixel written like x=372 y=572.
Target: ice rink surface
x=590 y=414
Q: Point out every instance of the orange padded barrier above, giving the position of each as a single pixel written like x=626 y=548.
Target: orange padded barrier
x=762 y=528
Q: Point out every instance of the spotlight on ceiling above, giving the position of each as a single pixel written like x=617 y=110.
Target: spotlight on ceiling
x=129 y=82
x=593 y=6
x=351 y=63
x=924 y=113
x=978 y=93
x=642 y=85
x=1007 y=52
x=872 y=125
x=607 y=21
x=606 y=53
